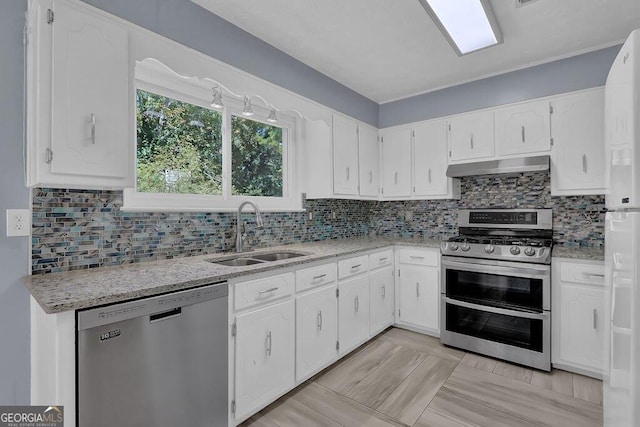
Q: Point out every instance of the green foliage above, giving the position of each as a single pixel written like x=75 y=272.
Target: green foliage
x=179 y=150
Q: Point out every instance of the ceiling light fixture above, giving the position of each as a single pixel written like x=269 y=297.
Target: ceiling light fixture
x=247 y=110
x=272 y=116
x=468 y=25
x=217 y=98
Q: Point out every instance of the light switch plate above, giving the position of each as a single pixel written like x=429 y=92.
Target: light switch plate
x=18 y=222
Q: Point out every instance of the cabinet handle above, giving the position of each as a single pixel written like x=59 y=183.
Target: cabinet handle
x=471 y=141
x=523 y=138
x=384 y=292
x=319 y=277
x=429 y=175
x=592 y=275
x=370 y=177
x=266 y=291
x=347 y=174
x=416 y=257
x=396 y=178
x=584 y=163
x=353 y=267
x=357 y=303
x=381 y=260
x=93 y=128
x=417 y=289
x=268 y=343
x=320 y=320
x=595 y=319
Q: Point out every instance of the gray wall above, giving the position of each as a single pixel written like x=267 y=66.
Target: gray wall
x=14 y=298
x=566 y=75
x=193 y=26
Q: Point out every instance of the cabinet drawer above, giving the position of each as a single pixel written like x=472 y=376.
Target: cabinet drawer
x=260 y=291
x=315 y=276
x=381 y=259
x=420 y=257
x=352 y=266
x=582 y=273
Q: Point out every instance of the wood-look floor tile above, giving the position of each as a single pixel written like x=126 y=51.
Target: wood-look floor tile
x=556 y=380
x=586 y=388
x=421 y=343
x=291 y=413
x=413 y=395
x=345 y=411
x=514 y=372
x=431 y=418
x=470 y=412
x=532 y=404
x=343 y=376
x=378 y=385
x=258 y=420
x=479 y=362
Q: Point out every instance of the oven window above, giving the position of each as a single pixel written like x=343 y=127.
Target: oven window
x=511 y=330
x=494 y=290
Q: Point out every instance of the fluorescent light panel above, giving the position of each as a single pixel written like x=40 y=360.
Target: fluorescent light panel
x=468 y=25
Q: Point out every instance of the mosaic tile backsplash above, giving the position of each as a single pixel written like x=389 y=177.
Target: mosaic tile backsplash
x=77 y=229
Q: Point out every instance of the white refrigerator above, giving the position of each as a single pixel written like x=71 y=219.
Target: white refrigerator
x=622 y=238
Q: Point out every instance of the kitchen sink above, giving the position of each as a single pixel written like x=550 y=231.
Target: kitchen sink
x=238 y=262
x=277 y=256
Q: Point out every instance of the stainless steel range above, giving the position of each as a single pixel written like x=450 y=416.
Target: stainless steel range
x=496 y=285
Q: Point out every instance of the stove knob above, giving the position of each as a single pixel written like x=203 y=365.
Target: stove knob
x=453 y=246
x=489 y=248
x=529 y=251
x=514 y=250
x=465 y=247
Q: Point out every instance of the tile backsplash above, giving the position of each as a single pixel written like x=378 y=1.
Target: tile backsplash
x=77 y=229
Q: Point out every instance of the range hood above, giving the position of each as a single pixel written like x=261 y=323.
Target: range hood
x=523 y=164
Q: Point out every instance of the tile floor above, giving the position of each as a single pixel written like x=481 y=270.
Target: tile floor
x=406 y=379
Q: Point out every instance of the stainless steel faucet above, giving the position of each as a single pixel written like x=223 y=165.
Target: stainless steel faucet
x=241 y=226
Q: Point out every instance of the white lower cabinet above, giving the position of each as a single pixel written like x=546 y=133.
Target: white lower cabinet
x=264 y=360
x=381 y=299
x=316 y=330
x=418 y=289
x=353 y=312
x=578 y=309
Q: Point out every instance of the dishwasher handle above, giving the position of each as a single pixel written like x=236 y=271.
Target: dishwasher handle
x=165 y=315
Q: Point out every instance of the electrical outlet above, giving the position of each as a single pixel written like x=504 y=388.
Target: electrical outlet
x=18 y=222
x=408 y=215
x=334 y=214
x=310 y=216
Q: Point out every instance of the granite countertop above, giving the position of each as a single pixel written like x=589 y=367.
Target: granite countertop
x=73 y=290
x=578 y=252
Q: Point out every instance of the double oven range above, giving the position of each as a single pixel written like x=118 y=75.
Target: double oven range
x=496 y=288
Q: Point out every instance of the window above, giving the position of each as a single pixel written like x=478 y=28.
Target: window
x=193 y=157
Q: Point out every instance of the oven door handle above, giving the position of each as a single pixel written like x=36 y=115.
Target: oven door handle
x=496 y=310
x=526 y=272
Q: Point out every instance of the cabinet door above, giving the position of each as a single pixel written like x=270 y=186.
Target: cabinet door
x=90 y=95
x=522 y=129
x=396 y=162
x=316 y=330
x=353 y=312
x=577 y=156
x=430 y=159
x=582 y=325
x=381 y=291
x=419 y=296
x=471 y=136
x=264 y=355
x=369 y=161
x=345 y=155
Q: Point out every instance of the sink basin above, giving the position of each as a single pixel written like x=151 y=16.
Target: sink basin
x=238 y=262
x=276 y=256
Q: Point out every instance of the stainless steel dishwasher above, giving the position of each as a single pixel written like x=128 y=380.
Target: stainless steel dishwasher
x=155 y=362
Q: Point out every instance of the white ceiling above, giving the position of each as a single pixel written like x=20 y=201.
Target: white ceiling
x=390 y=49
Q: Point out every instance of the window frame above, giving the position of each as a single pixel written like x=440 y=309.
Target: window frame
x=198 y=92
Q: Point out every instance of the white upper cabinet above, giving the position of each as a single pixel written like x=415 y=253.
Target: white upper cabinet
x=81 y=125
x=523 y=129
x=471 y=136
x=345 y=155
x=369 y=161
x=430 y=161
x=577 y=155
x=317 y=169
x=396 y=162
